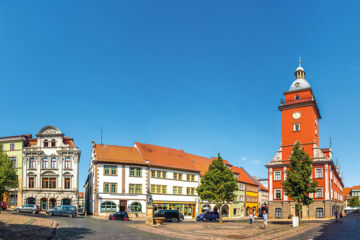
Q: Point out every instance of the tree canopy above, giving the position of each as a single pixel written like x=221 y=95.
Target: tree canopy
x=218 y=184
x=8 y=174
x=354 y=202
x=299 y=184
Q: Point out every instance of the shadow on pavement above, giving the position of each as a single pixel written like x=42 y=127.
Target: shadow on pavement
x=28 y=231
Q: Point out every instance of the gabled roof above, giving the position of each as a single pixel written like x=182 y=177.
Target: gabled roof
x=243 y=176
x=346 y=192
x=165 y=157
x=201 y=163
x=117 y=154
x=262 y=187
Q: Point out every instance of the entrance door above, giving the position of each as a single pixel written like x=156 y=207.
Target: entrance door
x=122 y=206
x=44 y=204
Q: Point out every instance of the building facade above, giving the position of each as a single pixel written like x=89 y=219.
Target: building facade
x=300 y=123
x=349 y=193
x=50 y=170
x=13 y=147
x=124 y=178
x=263 y=197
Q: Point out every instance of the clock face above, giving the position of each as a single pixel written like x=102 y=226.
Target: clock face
x=296 y=115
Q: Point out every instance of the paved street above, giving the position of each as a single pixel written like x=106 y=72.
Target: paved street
x=349 y=228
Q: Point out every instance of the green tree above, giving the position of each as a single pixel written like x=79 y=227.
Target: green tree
x=8 y=174
x=298 y=184
x=218 y=185
x=354 y=201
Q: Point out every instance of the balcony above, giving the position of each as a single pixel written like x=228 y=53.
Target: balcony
x=301 y=100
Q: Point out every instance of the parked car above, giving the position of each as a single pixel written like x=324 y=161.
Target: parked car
x=208 y=216
x=119 y=216
x=3 y=206
x=63 y=210
x=31 y=208
x=170 y=215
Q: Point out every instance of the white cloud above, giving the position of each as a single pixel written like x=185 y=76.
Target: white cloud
x=243 y=159
x=257 y=162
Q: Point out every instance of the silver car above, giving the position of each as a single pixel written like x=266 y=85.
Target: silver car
x=30 y=208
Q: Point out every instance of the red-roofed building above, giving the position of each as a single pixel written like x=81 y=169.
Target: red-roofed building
x=300 y=123
x=350 y=193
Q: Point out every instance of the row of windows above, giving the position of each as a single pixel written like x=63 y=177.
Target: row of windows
x=251 y=188
x=251 y=199
x=12 y=147
x=52 y=163
x=137 y=172
x=52 y=143
x=318 y=193
x=319 y=213
x=135 y=207
x=48 y=183
x=318 y=174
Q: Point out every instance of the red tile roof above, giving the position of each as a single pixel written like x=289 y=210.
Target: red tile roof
x=346 y=192
x=118 y=154
x=201 y=163
x=165 y=157
x=262 y=187
x=243 y=176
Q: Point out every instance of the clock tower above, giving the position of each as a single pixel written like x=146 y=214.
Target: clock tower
x=299 y=116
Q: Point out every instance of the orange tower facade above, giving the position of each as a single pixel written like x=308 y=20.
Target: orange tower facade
x=300 y=123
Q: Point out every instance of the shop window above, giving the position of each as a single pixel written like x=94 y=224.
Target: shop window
x=108 y=207
x=205 y=208
x=319 y=212
x=135 y=207
x=278 y=213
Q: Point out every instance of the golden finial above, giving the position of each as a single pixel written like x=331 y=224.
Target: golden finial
x=299 y=61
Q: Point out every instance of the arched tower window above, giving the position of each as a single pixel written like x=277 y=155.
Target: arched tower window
x=46 y=143
x=53 y=143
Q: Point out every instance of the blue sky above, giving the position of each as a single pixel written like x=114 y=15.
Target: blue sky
x=202 y=76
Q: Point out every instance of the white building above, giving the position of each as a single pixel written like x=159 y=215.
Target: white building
x=120 y=179
x=50 y=169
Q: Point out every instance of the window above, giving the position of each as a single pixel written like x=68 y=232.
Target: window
x=113 y=188
x=31 y=182
x=106 y=187
x=190 y=191
x=46 y=143
x=67 y=163
x=45 y=163
x=277 y=175
x=158 y=174
x=297 y=97
x=177 y=190
x=67 y=183
x=53 y=163
x=318 y=193
x=108 y=207
x=13 y=160
x=49 y=183
x=135 y=188
x=31 y=163
x=135 y=172
x=318 y=173
x=12 y=146
x=190 y=177
x=110 y=170
x=53 y=143
x=296 y=127
x=158 y=189
x=319 y=212
x=177 y=176
x=278 y=213
x=110 y=187
x=278 y=194
x=135 y=207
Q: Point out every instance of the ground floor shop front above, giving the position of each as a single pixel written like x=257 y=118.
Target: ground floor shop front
x=316 y=210
x=47 y=200
x=188 y=209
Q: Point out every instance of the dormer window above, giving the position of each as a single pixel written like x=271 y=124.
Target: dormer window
x=46 y=143
x=297 y=97
x=53 y=143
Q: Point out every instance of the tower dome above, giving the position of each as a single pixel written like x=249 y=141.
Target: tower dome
x=300 y=82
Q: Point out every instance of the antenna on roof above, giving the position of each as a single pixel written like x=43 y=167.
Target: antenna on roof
x=101 y=136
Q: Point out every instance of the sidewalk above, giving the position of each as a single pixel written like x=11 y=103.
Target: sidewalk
x=17 y=226
x=228 y=230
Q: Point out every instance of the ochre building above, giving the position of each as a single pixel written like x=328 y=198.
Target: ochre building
x=300 y=117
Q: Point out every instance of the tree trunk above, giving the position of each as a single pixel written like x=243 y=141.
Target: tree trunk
x=220 y=213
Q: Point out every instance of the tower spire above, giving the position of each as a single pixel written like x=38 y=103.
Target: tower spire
x=299 y=61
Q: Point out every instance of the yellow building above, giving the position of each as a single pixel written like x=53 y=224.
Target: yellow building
x=251 y=199
x=13 y=147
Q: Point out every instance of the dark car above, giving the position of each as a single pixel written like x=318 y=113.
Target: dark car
x=170 y=215
x=208 y=216
x=119 y=216
x=63 y=210
x=31 y=208
x=3 y=206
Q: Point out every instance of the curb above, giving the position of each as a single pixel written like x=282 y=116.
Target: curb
x=53 y=230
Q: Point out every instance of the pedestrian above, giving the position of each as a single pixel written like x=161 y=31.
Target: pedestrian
x=336 y=215
x=251 y=218
x=265 y=217
x=341 y=220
